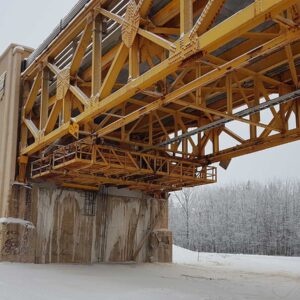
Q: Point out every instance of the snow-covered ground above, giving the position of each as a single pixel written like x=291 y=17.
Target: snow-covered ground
x=260 y=264
x=202 y=277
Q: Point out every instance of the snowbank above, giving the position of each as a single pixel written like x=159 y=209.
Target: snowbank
x=239 y=262
x=17 y=221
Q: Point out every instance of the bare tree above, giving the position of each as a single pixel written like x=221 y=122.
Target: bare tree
x=245 y=218
x=185 y=201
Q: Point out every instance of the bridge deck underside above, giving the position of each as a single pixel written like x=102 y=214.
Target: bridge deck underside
x=170 y=79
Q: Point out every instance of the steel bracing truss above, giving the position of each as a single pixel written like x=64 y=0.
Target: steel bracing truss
x=139 y=94
x=85 y=162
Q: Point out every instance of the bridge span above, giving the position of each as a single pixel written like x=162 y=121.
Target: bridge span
x=130 y=100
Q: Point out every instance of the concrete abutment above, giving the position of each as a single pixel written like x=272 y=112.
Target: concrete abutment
x=71 y=226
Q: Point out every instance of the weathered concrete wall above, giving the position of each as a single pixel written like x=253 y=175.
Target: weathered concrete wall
x=160 y=244
x=120 y=227
x=66 y=235
x=17 y=233
x=17 y=240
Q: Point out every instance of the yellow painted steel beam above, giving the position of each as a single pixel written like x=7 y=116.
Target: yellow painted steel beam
x=241 y=22
x=229 y=93
x=80 y=187
x=292 y=66
x=81 y=47
x=254 y=145
x=105 y=61
x=145 y=6
x=186 y=16
x=32 y=128
x=97 y=62
x=55 y=111
x=54 y=69
x=44 y=106
x=80 y=95
x=112 y=16
x=154 y=38
x=112 y=181
x=166 y=30
x=114 y=71
x=33 y=93
x=134 y=60
x=170 y=11
x=208 y=16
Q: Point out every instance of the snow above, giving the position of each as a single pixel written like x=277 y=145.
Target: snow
x=16 y=221
x=211 y=277
x=289 y=266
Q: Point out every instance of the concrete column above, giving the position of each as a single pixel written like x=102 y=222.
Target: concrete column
x=13 y=123
x=9 y=141
x=6 y=63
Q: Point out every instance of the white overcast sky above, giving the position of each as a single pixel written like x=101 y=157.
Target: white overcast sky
x=28 y=22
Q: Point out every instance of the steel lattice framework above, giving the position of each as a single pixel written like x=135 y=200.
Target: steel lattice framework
x=139 y=94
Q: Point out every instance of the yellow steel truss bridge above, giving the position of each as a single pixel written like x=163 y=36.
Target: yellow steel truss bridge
x=143 y=93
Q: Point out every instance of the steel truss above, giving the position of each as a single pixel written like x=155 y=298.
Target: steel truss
x=94 y=165
x=147 y=80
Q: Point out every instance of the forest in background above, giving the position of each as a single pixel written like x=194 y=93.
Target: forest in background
x=248 y=218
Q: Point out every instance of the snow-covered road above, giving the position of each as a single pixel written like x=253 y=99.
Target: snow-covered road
x=207 y=276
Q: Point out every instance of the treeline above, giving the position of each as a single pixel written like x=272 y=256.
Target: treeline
x=248 y=218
